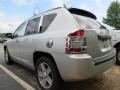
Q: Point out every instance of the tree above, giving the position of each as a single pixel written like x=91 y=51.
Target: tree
x=113 y=15
x=2 y=35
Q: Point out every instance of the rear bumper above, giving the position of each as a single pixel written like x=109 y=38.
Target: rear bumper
x=82 y=67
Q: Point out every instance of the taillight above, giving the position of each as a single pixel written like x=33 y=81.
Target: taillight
x=76 y=42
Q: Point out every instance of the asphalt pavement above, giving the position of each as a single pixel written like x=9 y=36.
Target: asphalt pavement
x=8 y=83
x=109 y=80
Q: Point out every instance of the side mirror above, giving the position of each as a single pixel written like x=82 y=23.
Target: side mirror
x=9 y=35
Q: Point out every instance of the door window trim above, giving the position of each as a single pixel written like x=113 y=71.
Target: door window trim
x=38 y=25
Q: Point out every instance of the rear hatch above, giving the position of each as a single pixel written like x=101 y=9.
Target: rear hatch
x=98 y=39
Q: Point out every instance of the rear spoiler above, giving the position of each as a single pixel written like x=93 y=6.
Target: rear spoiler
x=82 y=12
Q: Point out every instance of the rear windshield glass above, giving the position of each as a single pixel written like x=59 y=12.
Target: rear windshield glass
x=86 y=22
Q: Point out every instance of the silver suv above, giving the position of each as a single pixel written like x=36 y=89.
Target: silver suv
x=60 y=43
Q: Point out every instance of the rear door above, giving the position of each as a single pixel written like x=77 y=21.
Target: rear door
x=28 y=43
x=98 y=39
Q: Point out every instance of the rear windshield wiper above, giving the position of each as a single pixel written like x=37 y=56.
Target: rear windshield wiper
x=103 y=27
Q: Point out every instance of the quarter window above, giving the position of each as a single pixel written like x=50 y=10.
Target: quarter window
x=47 y=20
x=32 y=27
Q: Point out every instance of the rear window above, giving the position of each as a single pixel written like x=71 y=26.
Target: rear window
x=86 y=22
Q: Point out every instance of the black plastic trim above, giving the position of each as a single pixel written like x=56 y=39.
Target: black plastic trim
x=98 y=63
x=82 y=12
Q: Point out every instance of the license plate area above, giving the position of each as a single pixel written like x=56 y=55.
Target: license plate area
x=105 y=45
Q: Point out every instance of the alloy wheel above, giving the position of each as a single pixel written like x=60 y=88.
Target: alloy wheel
x=118 y=56
x=45 y=75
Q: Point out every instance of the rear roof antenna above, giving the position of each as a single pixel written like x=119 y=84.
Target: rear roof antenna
x=36 y=11
x=65 y=6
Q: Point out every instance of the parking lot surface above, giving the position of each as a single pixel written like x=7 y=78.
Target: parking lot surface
x=109 y=80
x=8 y=83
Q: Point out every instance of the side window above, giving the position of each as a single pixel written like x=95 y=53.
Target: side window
x=32 y=27
x=47 y=20
x=20 y=31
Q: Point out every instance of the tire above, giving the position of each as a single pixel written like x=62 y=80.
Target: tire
x=118 y=56
x=7 y=57
x=48 y=78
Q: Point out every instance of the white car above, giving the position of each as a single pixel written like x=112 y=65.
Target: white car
x=115 y=40
x=61 y=44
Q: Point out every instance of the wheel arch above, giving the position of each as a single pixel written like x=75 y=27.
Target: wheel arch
x=38 y=54
x=117 y=45
x=5 y=47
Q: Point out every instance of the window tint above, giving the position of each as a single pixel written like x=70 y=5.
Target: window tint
x=20 y=31
x=86 y=22
x=47 y=20
x=33 y=26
